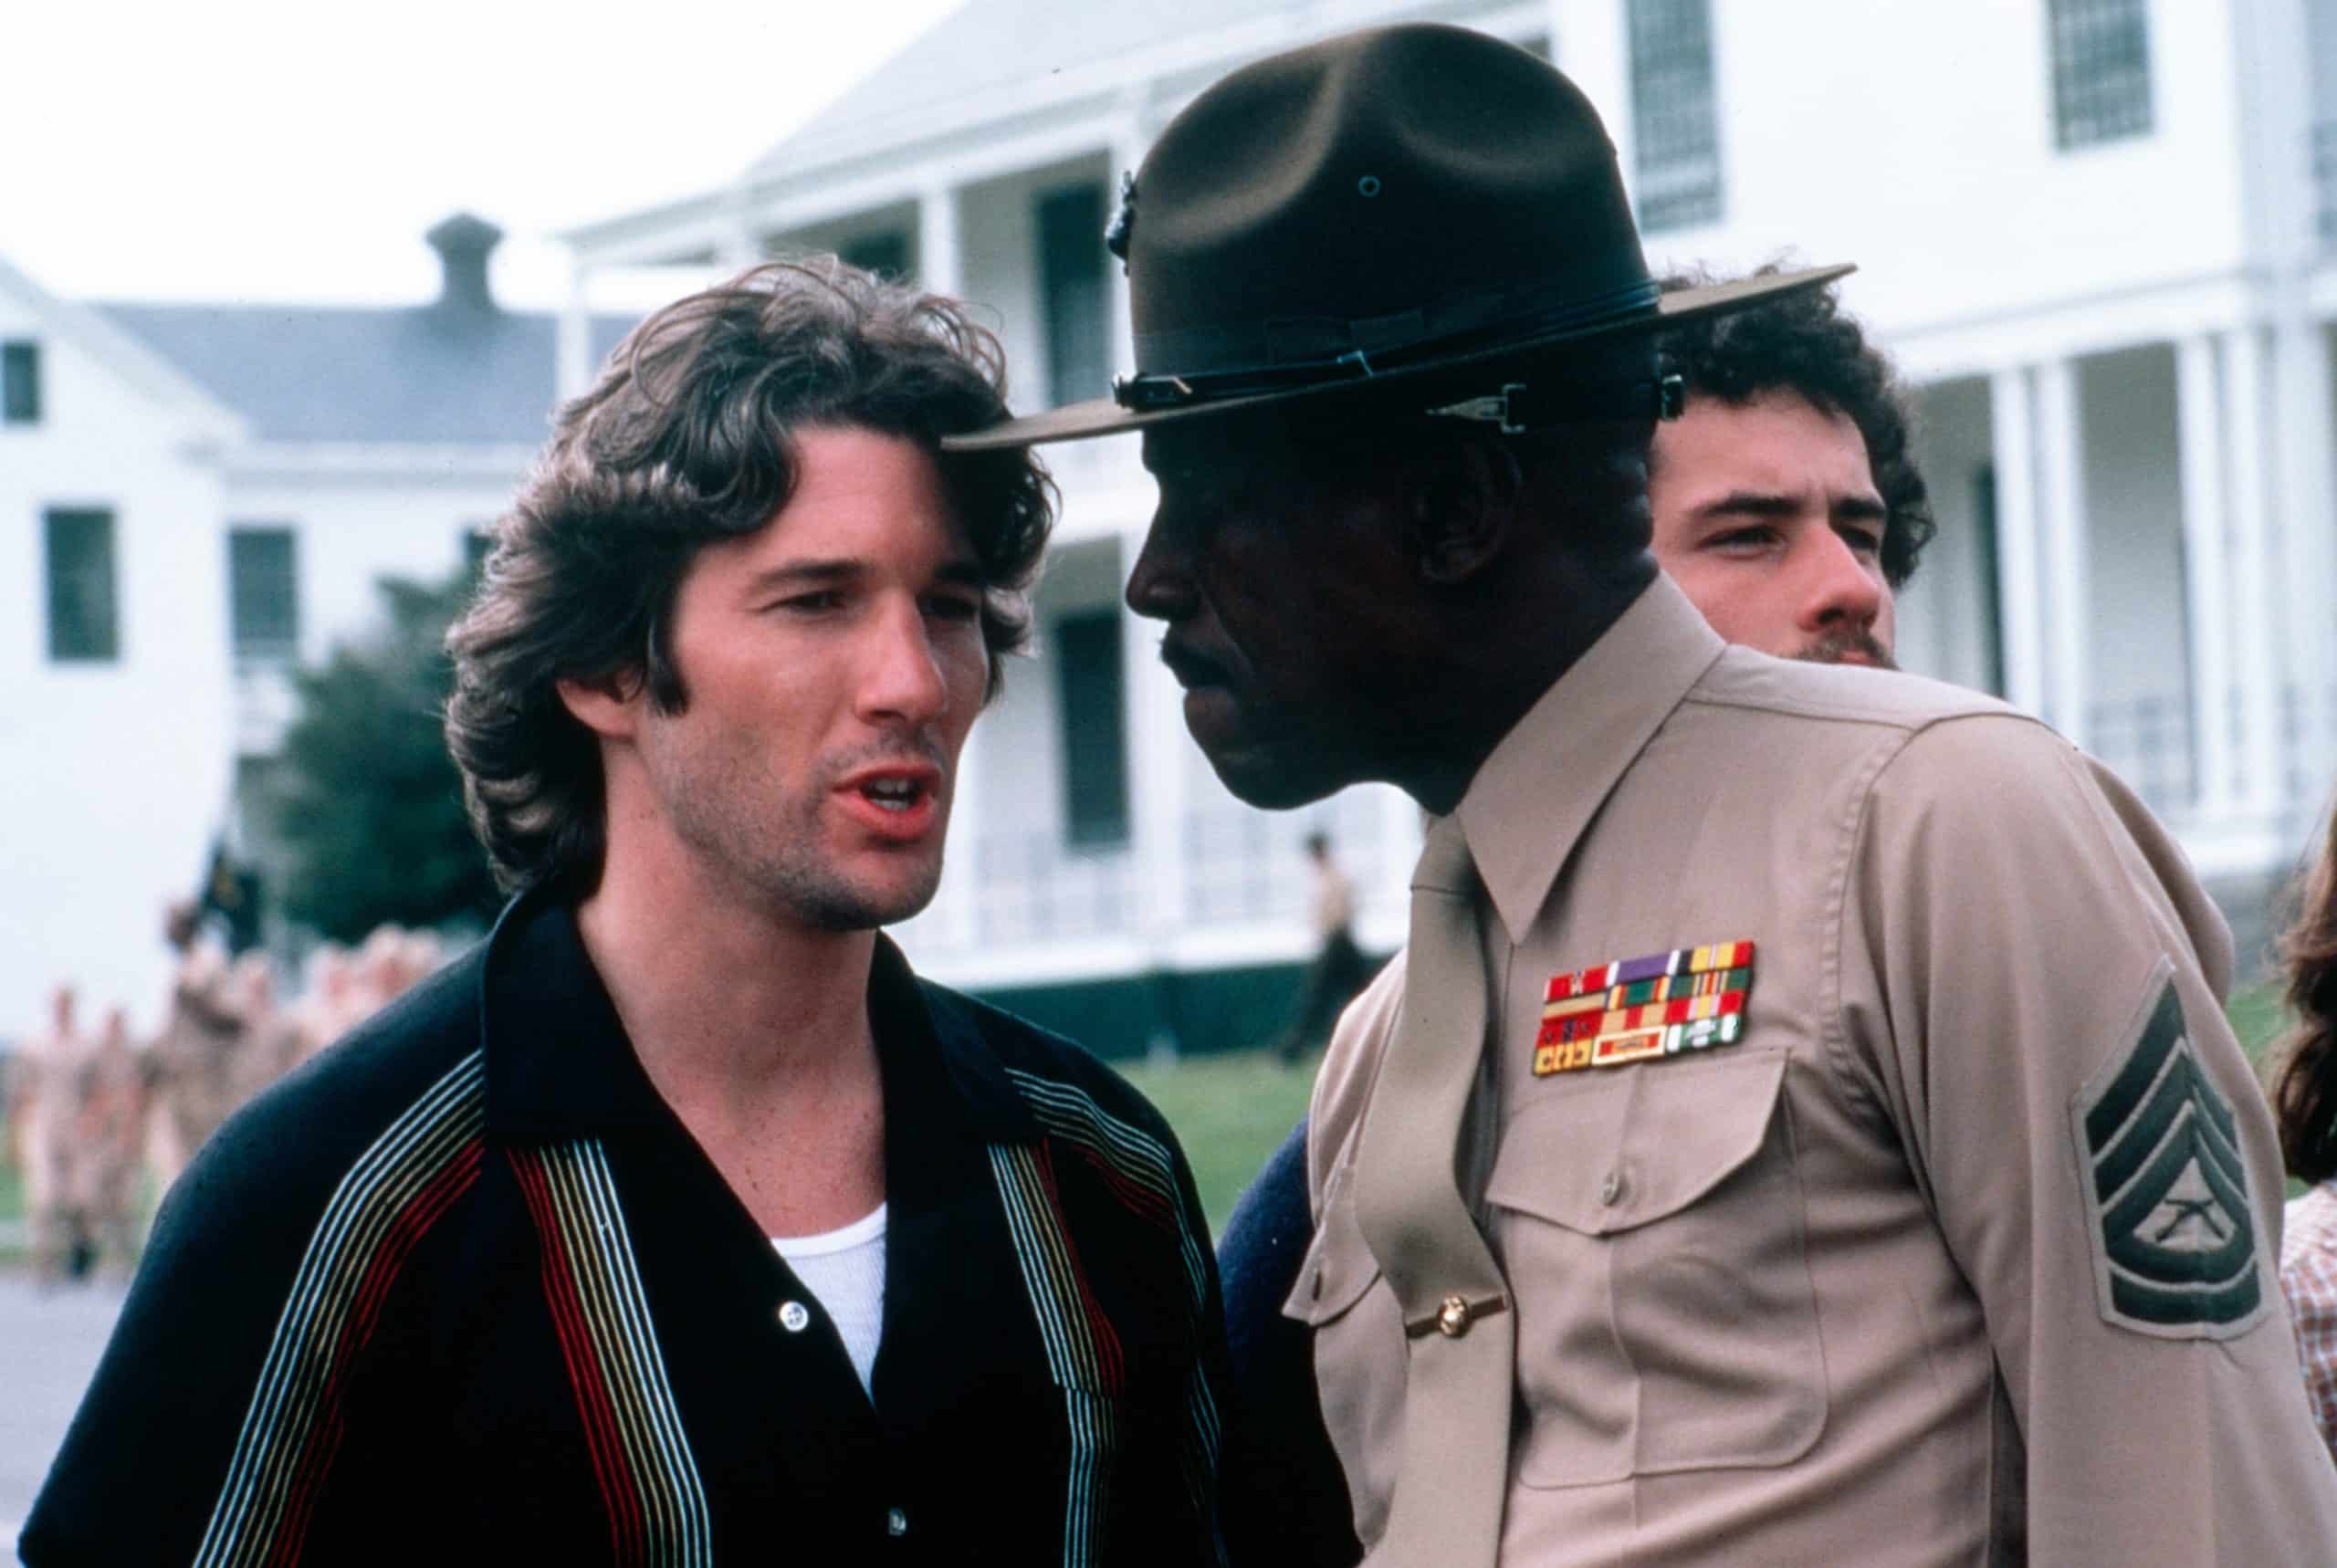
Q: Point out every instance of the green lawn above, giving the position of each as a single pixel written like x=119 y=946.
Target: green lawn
x=1230 y=1111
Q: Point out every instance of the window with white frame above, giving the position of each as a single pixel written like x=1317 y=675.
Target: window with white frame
x=2101 y=70
x=1093 y=708
x=84 y=626
x=1675 y=126
x=20 y=382
x=1075 y=293
x=264 y=593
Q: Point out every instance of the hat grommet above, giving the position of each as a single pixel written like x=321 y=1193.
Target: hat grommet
x=1368 y=186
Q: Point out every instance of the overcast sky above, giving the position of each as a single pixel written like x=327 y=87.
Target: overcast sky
x=259 y=149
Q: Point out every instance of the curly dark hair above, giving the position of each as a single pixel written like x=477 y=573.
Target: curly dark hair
x=688 y=437
x=1804 y=344
x=2305 y=1087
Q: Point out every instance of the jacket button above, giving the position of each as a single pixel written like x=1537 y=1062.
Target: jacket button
x=1612 y=1189
x=794 y=1317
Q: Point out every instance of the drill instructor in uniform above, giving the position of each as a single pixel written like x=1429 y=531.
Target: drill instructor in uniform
x=1800 y=1128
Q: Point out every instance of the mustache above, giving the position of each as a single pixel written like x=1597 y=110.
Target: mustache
x=1191 y=669
x=906 y=746
x=1839 y=647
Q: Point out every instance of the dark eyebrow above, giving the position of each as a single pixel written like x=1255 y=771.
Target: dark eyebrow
x=958 y=571
x=1862 y=510
x=1749 y=504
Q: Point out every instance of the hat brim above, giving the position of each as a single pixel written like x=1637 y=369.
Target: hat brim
x=1104 y=416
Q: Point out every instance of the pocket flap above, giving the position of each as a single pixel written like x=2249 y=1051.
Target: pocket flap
x=1621 y=1147
x=1338 y=1267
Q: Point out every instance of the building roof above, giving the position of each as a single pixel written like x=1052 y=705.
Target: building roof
x=986 y=48
x=459 y=371
x=125 y=354
x=441 y=373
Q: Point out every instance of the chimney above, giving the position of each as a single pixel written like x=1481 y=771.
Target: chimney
x=464 y=243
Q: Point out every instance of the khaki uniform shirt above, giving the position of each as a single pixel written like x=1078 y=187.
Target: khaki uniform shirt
x=1961 y=1250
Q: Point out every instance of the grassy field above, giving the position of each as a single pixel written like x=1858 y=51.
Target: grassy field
x=1230 y=1111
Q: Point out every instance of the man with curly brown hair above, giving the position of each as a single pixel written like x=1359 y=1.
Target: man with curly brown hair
x=1786 y=503
x=680 y=1222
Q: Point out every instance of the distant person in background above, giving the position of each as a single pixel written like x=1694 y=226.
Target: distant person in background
x=109 y=1143
x=2304 y=1100
x=1788 y=507
x=1338 y=970
x=195 y=1071
x=46 y=1116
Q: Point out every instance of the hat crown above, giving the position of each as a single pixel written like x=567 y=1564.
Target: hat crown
x=1375 y=192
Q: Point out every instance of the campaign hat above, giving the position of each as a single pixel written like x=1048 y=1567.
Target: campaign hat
x=1398 y=207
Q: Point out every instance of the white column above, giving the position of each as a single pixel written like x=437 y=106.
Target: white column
x=1128 y=142
x=940 y=262
x=2255 y=592
x=2018 y=555
x=958 y=906
x=1158 y=797
x=2067 y=603
x=572 y=349
x=2301 y=435
x=2200 y=437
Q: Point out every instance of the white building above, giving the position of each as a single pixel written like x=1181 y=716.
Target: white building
x=114 y=649
x=2095 y=233
x=202 y=498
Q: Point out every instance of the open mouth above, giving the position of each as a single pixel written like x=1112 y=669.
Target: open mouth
x=894 y=794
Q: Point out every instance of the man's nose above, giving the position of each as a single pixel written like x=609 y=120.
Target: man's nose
x=903 y=677
x=1161 y=584
x=1841 y=587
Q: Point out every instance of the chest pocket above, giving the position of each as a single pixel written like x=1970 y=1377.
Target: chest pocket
x=1650 y=1222
x=1358 y=1352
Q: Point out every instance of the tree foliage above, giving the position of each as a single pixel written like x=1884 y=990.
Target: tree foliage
x=371 y=818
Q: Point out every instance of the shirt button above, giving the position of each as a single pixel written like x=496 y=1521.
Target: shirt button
x=896 y=1522
x=1611 y=1188
x=794 y=1317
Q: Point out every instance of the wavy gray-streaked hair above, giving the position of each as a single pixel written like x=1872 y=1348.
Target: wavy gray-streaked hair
x=688 y=437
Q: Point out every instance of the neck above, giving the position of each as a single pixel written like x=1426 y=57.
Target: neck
x=1510 y=645
x=729 y=1006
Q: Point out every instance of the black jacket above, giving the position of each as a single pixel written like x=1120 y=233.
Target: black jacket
x=464 y=1288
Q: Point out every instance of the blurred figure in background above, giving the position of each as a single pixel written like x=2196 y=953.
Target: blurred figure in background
x=107 y=1159
x=1338 y=970
x=45 y=1115
x=2304 y=1099
x=193 y=1067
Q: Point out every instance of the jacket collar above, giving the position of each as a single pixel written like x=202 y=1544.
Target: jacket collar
x=561 y=1066
x=1534 y=796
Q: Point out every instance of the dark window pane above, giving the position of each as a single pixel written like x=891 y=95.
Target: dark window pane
x=20 y=383
x=1070 y=262
x=81 y=621
x=2101 y=71
x=1095 y=728
x=885 y=254
x=1675 y=132
x=264 y=594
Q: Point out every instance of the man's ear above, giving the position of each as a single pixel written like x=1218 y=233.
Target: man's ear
x=1464 y=503
x=609 y=708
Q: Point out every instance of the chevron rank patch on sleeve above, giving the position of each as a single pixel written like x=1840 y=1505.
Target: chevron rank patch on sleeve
x=1631 y=1008
x=2166 y=1187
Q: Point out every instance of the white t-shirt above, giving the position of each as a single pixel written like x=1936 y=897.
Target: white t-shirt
x=844 y=1271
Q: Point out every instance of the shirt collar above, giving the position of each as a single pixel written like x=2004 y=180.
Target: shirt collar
x=1537 y=792
x=561 y=1066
